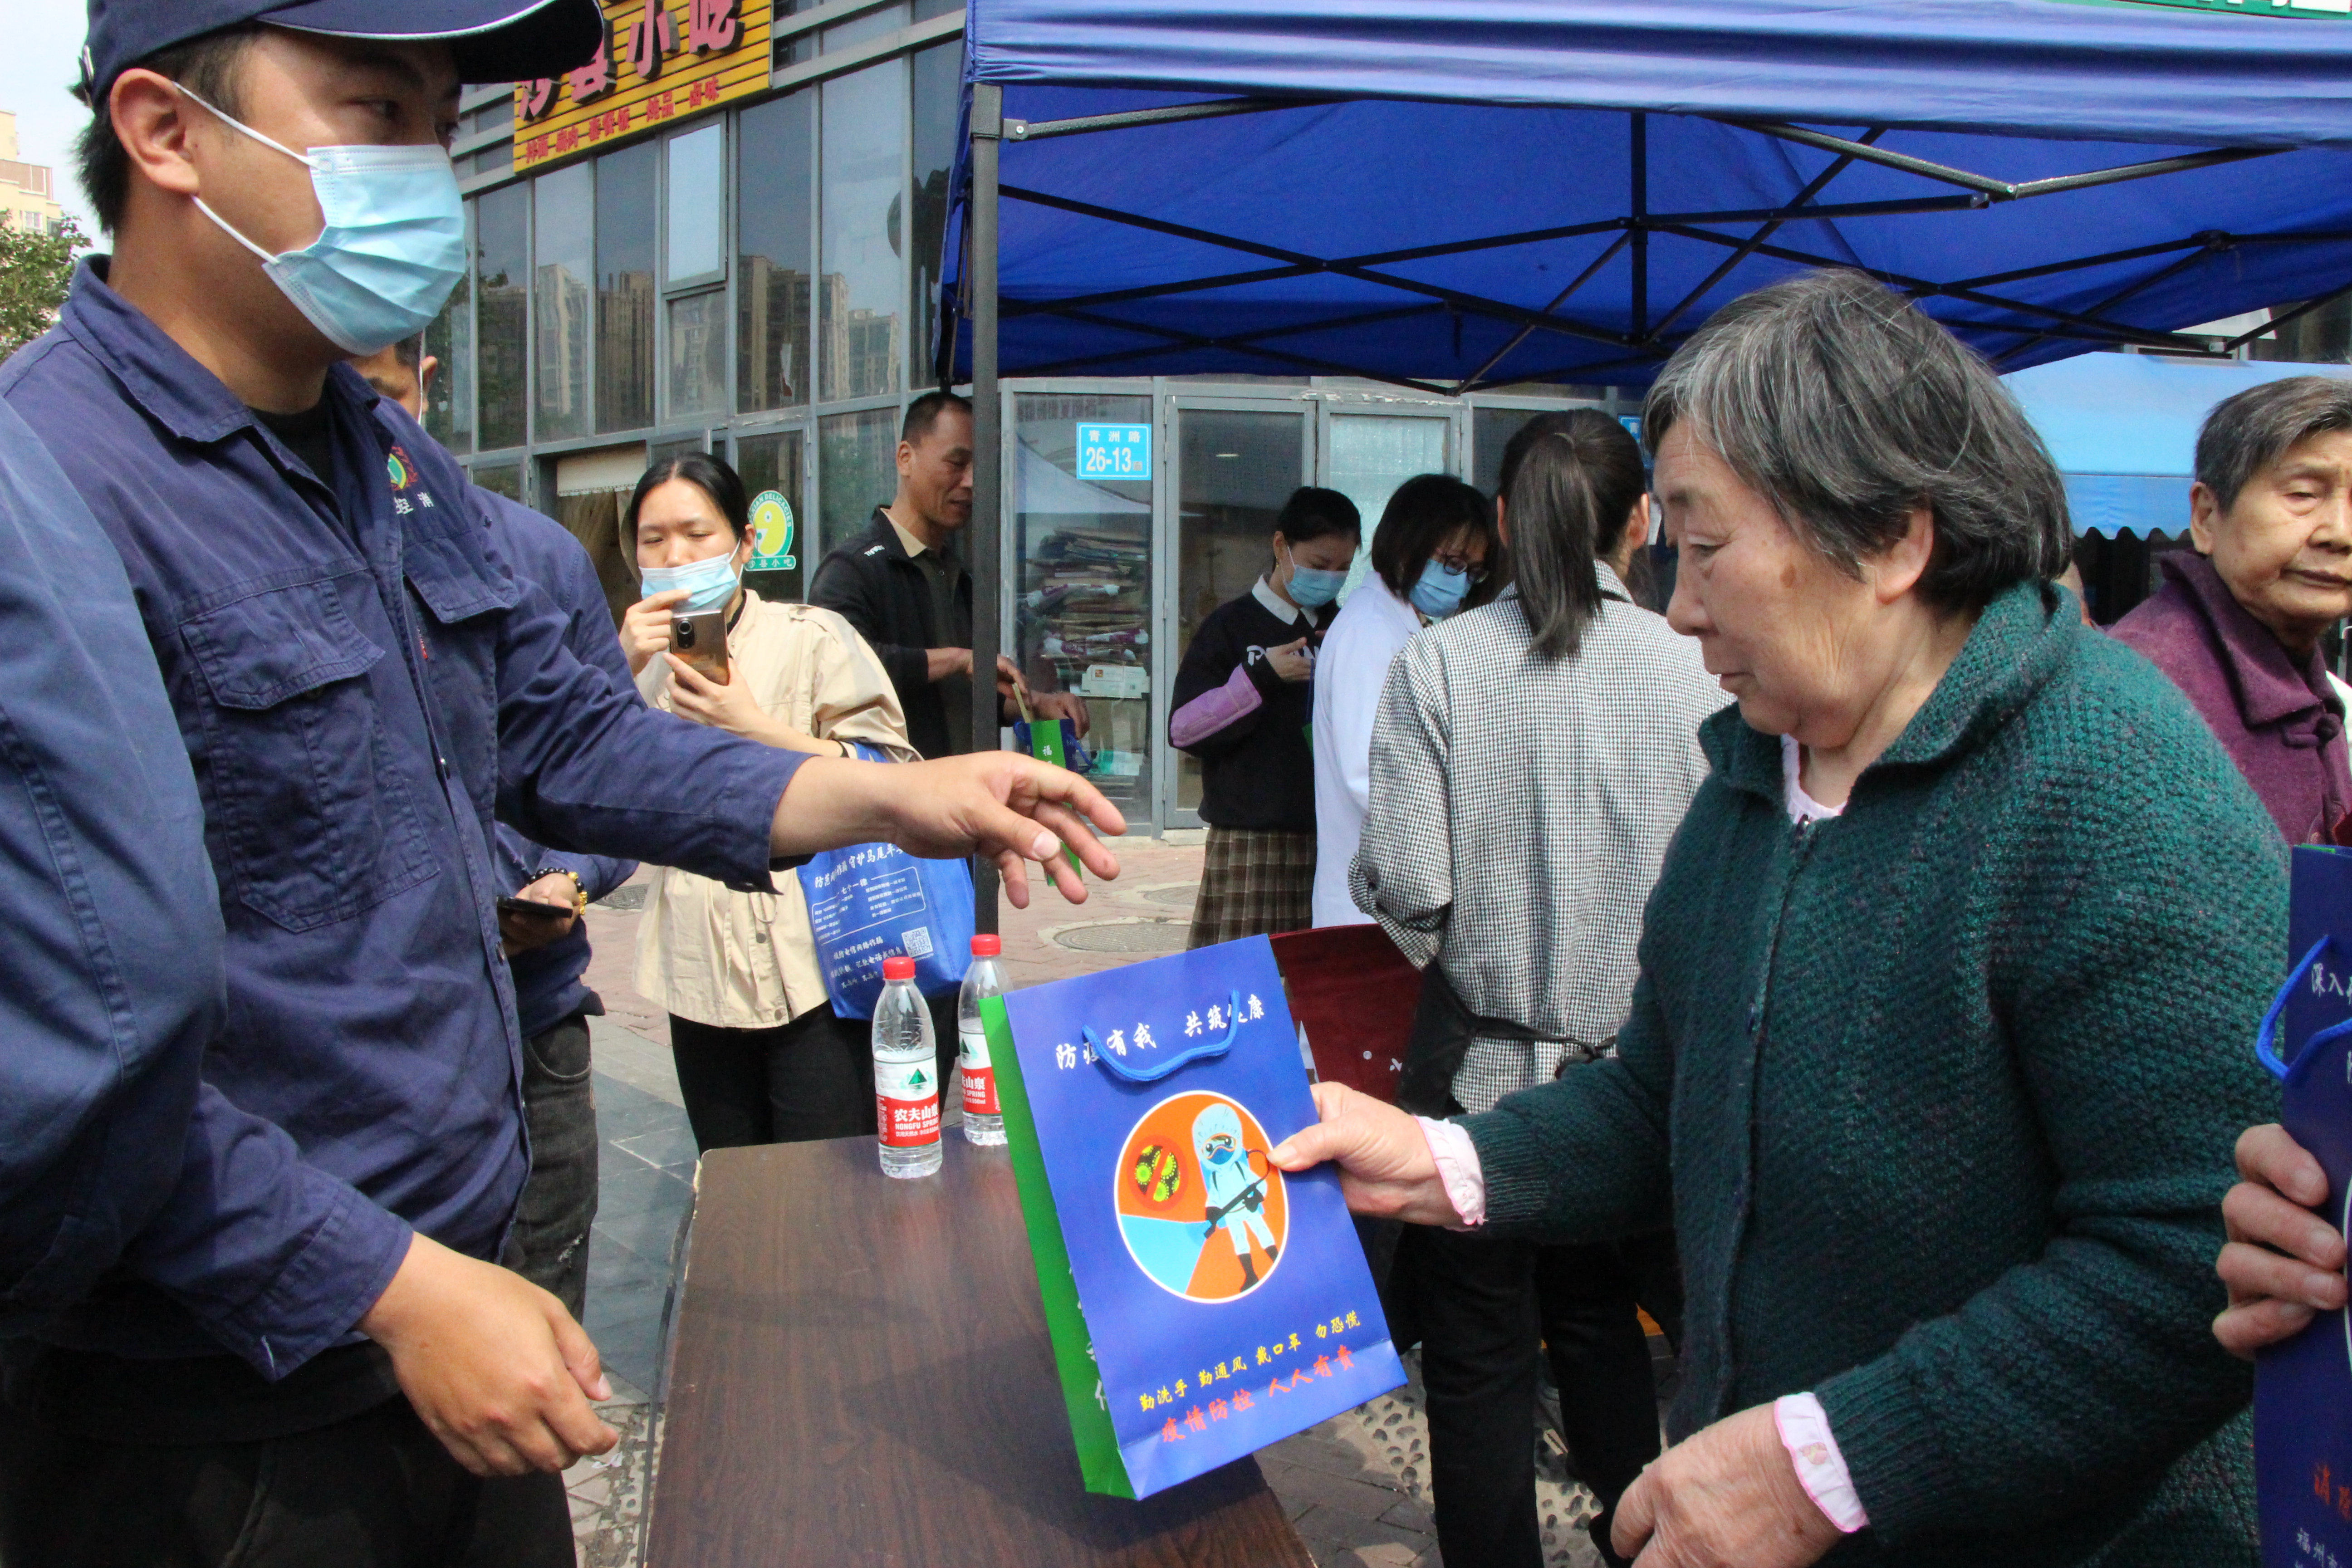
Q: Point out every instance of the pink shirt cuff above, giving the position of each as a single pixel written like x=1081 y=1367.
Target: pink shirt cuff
x=1821 y=1468
x=1457 y=1167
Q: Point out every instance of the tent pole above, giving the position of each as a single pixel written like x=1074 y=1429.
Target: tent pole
x=1641 y=228
x=987 y=459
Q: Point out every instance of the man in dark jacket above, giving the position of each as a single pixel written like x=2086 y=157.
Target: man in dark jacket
x=901 y=584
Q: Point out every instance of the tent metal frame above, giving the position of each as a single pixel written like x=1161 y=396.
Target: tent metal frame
x=1649 y=342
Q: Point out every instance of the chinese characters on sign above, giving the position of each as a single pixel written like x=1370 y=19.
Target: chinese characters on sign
x=1119 y=1042
x=1114 y=451
x=1195 y=1417
x=654 y=62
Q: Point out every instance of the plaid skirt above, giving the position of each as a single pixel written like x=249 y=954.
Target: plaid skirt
x=1254 y=883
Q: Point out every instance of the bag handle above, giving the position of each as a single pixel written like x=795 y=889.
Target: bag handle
x=1118 y=1066
x=2265 y=1043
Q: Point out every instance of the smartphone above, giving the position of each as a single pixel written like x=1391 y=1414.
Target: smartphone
x=532 y=910
x=701 y=641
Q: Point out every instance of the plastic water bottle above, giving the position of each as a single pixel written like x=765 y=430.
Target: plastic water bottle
x=906 y=1086
x=983 y=1119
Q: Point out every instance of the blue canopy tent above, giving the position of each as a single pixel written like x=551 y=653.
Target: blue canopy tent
x=1457 y=194
x=2122 y=428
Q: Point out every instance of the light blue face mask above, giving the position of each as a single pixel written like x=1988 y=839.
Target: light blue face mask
x=709 y=582
x=1311 y=587
x=393 y=247
x=1440 y=590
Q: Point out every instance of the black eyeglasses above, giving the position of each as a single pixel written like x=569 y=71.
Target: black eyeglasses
x=1457 y=562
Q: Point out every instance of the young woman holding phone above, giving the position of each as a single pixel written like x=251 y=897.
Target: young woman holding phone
x=761 y=1058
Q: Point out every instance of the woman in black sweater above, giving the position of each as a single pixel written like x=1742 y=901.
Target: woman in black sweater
x=1242 y=705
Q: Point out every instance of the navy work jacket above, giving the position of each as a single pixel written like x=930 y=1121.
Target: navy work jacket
x=551 y=982
x=109 y=928
x=362 y=684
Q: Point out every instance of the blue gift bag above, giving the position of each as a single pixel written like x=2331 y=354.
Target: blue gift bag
x=1201 y=1304
x=2302 y=1389
x=873 y=901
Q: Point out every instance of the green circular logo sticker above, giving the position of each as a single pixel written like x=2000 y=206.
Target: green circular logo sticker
x=771 y=532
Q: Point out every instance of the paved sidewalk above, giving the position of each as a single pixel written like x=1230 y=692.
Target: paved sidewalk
x=1357 y=1487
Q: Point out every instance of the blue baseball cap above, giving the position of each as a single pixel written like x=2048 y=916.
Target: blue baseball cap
x=492 y=40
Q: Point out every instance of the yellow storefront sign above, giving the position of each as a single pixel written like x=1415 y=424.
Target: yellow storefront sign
x=656 y=62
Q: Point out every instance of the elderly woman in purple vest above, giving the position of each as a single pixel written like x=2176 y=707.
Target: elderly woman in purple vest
x=2238 y=627
x=2236 y=624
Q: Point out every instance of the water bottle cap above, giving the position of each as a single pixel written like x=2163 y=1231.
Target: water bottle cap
x=987 y=946
x=897 y=969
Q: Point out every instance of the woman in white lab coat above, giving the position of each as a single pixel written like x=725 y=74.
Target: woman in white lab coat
x=1430 y=551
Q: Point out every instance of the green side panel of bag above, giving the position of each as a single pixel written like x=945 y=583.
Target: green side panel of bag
x=1065 y=1322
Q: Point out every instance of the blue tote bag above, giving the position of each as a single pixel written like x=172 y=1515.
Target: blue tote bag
x=873 y=901
x=2303 y=1388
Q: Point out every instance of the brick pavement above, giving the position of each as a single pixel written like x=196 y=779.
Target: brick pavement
x=1356 y=1487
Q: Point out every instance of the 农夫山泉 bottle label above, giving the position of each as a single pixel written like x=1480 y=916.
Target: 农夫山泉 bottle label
x=979 y=1078
x=907 y=1102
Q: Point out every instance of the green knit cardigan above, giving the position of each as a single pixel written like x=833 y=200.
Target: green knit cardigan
x=1939 y=1096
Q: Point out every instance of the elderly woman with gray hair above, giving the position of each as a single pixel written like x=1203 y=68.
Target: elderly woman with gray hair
x=1937 y=1047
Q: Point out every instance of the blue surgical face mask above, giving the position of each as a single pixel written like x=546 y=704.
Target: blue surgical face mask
x=393 y=247
x=1311 y=587
x=709 y=582
x=1440 y=590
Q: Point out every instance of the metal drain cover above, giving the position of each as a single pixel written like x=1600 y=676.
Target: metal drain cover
x=631 y=898
x=1152 y=936
x=1183 y=895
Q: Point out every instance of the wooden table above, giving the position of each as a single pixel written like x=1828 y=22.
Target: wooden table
x=862 y=1376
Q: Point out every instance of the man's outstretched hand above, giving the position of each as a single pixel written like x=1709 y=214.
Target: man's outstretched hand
x=1012 y=808
x=494 y=1365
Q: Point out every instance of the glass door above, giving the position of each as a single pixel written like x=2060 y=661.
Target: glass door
x=1236 y=462
x=1079 y=575
x=1367 y=455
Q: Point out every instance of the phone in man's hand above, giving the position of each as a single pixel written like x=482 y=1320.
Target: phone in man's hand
x=532 y=910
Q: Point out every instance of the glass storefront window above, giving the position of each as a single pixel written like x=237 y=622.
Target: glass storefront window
x=698 y=354
x=625 y=288
x=1491 y=430
x=772 y=462
x=449 y=395
x=1083 y=606
x=1370 y=456
x=504 y=477
x=774 y=165
x=939 y=101
x=857 y=471
x=1234 y=469
x=562 y=232
x=862 y=290
x=873 y=25
x=695 y=228
x=502 y=292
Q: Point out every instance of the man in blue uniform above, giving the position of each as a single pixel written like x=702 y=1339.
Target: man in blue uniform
x=361 y=683
x=110 y=943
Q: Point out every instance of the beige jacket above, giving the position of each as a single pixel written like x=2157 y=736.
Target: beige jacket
x=747 y=961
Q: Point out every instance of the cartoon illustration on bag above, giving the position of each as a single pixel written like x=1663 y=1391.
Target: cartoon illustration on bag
x=1209 y=1227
